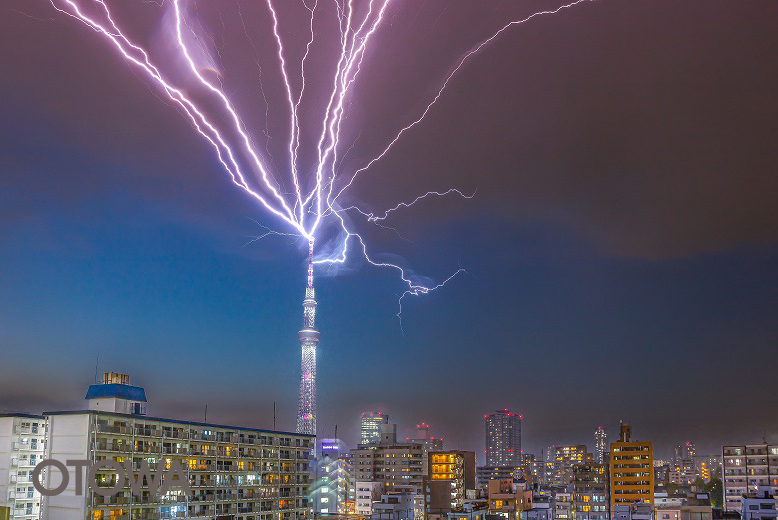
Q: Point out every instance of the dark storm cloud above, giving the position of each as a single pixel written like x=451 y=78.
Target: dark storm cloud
x=647 y=126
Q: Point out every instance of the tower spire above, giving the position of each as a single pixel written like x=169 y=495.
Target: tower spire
x=310 y=263
x=309 y=339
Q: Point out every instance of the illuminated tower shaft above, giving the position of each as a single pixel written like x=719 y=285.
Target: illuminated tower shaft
x=309 y=339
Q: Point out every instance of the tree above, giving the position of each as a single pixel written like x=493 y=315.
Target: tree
x=716 y=491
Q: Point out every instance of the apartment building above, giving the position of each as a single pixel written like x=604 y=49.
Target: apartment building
x=367 y=493
x=560 y=462
x=745 y=469
x=235 y=472
x=403 y=505
x=563 y=506
x=22 y=443
x=389 y=462
x=509 y=498
x=591 y=496
x=451 y=474
x=631 y=471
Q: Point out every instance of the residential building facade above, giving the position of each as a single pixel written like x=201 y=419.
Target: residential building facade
x=234 y=472
x=450 y=475
x=22 y=444
x=390 y=462
x=631 y=470
x=746 y=468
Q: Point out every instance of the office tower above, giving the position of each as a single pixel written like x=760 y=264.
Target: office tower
x=230 y=468
x=450 y=475
x=370 y=426
x=309 y=340
x=600 y=444
x=631 y=470
x=591 y=498
x=503 y=438
x=746 y=468
x=22 y=443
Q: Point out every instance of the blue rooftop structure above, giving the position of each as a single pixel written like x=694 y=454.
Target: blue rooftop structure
x=131 y=393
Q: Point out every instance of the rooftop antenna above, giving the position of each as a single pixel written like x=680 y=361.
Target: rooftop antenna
x=274 y=415
x=97 y=364
x=205 y=417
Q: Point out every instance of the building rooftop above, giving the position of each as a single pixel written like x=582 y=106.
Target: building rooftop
x=117 y=390
x=175 y=421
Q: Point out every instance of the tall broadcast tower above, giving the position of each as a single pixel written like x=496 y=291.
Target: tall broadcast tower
x=309 y=338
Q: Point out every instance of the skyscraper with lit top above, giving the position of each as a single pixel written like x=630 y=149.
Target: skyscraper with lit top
x=370 y=426
x=503 y=438
x=309 y=339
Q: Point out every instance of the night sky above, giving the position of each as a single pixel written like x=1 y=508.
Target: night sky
x=621 y=250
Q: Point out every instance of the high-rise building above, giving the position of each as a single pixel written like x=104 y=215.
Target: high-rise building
x=370 y=426
x=22 y=443
x=450 y=475
x=503 y=438
x=560 y=470
x=745 y=469
x=390 y=462
x=309 y=340
x=600 y=444
x=234 y=472
x=631 y=470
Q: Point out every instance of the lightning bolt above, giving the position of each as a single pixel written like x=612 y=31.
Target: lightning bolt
x=313 y=207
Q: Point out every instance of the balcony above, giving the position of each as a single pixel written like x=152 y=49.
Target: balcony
x=175 y=434
x=113 y=429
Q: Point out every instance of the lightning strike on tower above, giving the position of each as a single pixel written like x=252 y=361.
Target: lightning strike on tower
x=309 y=340
x=312 y=208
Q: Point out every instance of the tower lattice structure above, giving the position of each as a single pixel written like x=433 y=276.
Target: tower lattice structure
x=309 y=339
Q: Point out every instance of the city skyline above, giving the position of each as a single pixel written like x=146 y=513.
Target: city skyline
x=652 y=238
